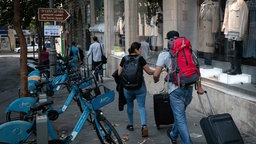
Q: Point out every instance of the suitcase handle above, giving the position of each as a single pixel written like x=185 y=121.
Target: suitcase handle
x=202 y=106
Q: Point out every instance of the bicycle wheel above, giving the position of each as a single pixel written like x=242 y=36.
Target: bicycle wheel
x=108 y=132
x=17 y=115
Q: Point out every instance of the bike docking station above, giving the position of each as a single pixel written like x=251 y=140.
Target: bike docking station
x=41 y=123
x=42 y=119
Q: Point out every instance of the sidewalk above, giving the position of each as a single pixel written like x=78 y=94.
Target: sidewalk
x=9 y=81
x=119 y=120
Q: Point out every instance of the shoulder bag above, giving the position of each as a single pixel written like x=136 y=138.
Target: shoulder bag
x=103 y=57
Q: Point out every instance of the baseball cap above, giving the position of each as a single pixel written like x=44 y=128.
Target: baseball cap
x=172 y=34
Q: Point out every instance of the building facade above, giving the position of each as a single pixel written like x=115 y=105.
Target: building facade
x=118 y=23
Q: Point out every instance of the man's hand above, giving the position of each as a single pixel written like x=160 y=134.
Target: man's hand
x=200 y=90
x=156 y=79
x=157 y=74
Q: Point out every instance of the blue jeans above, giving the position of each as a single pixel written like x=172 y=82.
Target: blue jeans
x=140 y=95
x=179 y=100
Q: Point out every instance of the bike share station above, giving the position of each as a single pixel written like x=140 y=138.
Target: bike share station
x=41 y=123
x=49 y=15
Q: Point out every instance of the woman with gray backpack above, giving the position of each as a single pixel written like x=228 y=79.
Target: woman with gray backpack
x=134 y=87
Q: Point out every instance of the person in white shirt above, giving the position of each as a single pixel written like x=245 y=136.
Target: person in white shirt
x=180 y=97
x=95 y=50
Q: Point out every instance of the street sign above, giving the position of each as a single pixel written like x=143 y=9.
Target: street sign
x=52 y=14
x=51 y=30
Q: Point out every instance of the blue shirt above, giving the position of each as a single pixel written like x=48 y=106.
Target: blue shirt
x=75 y=51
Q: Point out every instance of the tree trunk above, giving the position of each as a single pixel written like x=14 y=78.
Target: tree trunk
x=23 y=50
x=40 y=38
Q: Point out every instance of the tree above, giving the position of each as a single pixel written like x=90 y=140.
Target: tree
x=24 y=13
x=23 y=52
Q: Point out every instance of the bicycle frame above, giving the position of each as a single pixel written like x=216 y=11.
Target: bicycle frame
x=23 y=104
x=19 y=131
x=75 y=90
x=89 y=107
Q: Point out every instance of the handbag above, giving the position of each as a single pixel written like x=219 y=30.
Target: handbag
x=104 y=59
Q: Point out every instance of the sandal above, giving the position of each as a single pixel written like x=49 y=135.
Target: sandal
x=130 y=127
x=144 y=131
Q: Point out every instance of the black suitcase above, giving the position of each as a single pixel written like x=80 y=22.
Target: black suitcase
x=162 y=109
x=219 y=128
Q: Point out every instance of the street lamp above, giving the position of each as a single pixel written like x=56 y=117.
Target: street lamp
x=33 y=44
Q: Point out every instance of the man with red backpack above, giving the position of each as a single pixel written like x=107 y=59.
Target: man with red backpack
x=182 y=73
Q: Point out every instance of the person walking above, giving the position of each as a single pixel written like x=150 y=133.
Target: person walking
x=96 y=49
x=73 y=52
x=45 y=57
x=73 y=55
x=180 y=97
x=139 y=92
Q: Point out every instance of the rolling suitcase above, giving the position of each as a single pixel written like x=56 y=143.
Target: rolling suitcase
x=162 y=109
x=219 y=128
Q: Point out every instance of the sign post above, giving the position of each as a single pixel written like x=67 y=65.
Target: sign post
x=52 y=14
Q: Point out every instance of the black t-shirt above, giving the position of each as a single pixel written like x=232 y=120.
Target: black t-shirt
x=142 y=61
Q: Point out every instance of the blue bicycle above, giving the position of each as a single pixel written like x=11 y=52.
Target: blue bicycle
x=92 y=100
x=19 y=108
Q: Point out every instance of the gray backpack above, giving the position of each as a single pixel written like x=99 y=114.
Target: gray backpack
x=132 y=75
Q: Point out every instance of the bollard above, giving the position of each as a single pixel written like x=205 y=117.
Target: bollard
x=41 y=124
x=42 y=130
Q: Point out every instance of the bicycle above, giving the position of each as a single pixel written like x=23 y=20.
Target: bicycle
x=92 y=100
x=22 y=105
x=42 y=71
x=19 y=109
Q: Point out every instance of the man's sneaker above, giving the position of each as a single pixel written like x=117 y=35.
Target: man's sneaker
x=144 y=131
x=130 y=127
x=168 y=134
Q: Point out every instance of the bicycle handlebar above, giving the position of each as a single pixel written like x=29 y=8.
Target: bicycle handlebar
x=40 y=106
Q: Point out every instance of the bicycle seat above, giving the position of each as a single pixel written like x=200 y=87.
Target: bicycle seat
x=56 y=141
x=42 y=67
x=40 y=106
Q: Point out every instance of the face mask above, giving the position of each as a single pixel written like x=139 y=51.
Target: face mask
x=169 y=44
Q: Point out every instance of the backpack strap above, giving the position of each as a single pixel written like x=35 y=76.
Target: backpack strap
x=127 y=57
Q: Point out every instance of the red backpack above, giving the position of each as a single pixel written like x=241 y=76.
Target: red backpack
x=184 y=64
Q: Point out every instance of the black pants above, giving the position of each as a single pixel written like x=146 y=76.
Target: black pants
x=99 y=71
x=235 y=53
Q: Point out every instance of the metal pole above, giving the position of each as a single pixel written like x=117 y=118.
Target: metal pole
x=33 y=45
x=52 y=57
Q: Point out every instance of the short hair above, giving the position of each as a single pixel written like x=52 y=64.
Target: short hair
x=73 y=43
x=95 y=38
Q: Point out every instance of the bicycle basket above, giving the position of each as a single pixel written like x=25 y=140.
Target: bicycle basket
x=105 y=98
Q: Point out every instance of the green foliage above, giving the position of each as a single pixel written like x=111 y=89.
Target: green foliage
x=28 y=12
x=6 y=12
